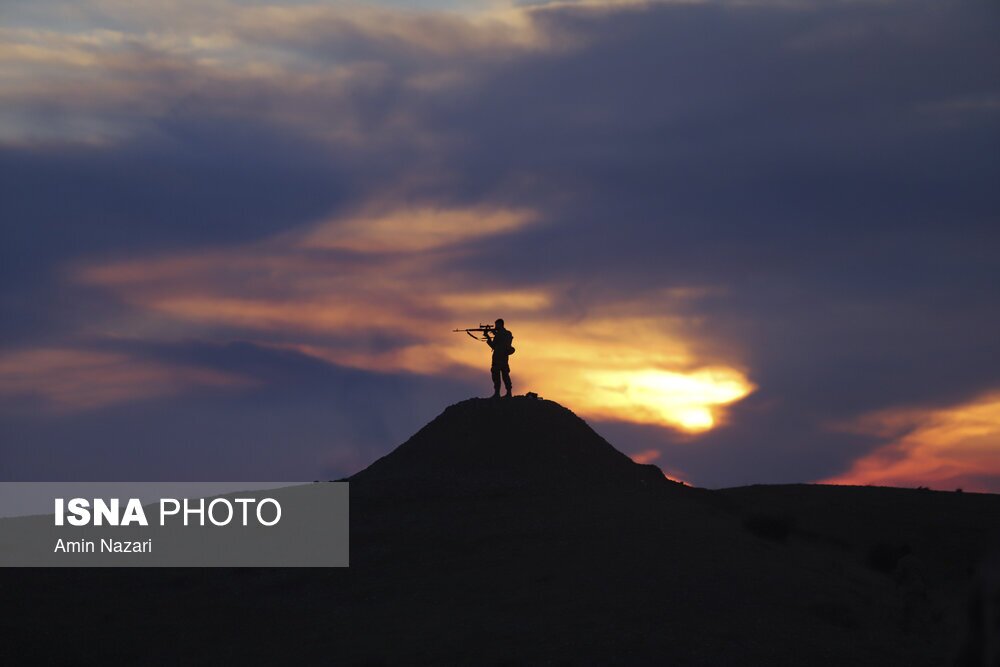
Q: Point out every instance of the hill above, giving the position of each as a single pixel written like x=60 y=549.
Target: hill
x=486 y=445
x=509 y=532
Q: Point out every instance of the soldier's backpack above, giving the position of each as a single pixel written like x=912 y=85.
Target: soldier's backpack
x=510 y=341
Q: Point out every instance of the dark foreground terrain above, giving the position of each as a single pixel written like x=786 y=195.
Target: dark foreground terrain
x=508 y=533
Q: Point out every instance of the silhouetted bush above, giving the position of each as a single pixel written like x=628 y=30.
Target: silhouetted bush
x=770 y=527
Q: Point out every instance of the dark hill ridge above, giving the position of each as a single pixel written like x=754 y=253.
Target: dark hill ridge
x=509 y=533
x=489 y=444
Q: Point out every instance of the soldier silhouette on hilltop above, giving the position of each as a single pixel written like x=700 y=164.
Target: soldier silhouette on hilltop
x=500 y=342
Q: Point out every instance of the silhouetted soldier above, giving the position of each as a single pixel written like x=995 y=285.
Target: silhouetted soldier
x=501 y=344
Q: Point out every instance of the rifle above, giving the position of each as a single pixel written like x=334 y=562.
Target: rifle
x=483 y=329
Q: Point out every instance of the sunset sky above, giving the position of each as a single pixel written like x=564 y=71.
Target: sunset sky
x=748 y=241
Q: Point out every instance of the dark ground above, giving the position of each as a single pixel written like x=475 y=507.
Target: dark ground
x=508 y=532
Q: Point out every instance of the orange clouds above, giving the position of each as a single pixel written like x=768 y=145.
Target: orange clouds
x=68 y=380
x=650 y=455
x=646 y=456
x=941 y=448
x=682 y=399
x=379 y=291
x=414 y=230
x=622 y=363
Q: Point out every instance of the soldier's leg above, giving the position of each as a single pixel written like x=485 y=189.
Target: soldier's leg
x=496 y=380
x=506 y=379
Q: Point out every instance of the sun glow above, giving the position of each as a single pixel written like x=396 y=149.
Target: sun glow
x=942 y=448
x=672 y=398
x=388 y=296
x=616 y=366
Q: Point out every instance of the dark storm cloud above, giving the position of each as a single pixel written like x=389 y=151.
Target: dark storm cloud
x=827 y=170
x=302 y=419
x=796 y=159
x=199 y=183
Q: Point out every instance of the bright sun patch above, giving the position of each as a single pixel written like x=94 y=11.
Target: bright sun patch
x=671 y=398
